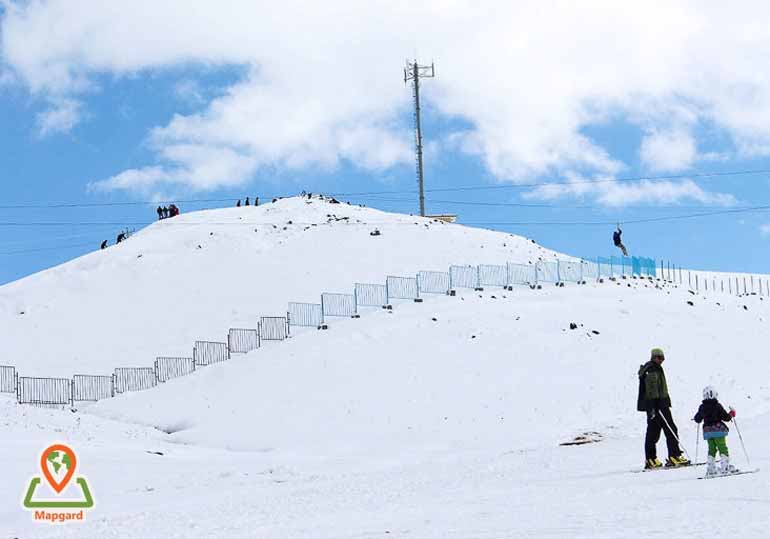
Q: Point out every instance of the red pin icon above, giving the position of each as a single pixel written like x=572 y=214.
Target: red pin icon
x=62 y=456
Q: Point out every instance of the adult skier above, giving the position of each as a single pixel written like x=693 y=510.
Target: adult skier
x=654 y=400
x=618 y=242
x=713 y=415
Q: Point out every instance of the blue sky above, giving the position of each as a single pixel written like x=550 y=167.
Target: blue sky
x=99 y=119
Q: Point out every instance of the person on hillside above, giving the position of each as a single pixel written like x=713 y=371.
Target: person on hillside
x=654 y=400
x=164 y=209
x=121 y=237
x=713 y=415
x=159 y=211
x=103 y=245
x=618 y=242
x=238 y=204
x=247 y=202
x=173 y=211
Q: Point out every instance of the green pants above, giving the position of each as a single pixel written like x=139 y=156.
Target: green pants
x=718 y=443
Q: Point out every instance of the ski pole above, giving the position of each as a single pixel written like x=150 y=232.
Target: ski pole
x=748 y=460
x=697 y=439
x=681 y=446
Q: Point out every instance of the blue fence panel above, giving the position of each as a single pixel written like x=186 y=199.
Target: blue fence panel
x=490 y=275
x=522 y=274
x=433 y=282
x=305 y=314
x=338 y=305
x=402 y=287
x=372 y=295
x=463 y=277
x=548 y=272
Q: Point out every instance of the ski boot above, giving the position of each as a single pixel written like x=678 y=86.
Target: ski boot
x=677 y=461
x=711 y=468
x=652 y=464
x=725 y=468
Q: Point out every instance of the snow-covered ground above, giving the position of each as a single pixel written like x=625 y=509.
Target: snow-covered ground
x=440 y=419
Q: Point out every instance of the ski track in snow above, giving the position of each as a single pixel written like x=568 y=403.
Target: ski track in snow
x=392 y=425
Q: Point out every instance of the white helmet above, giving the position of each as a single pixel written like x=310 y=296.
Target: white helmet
x=709 y=393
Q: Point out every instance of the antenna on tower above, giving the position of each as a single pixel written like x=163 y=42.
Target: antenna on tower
x=414 y=72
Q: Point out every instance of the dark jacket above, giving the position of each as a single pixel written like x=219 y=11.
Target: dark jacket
x=616 y=237
x=653 y=390
x=713 y=416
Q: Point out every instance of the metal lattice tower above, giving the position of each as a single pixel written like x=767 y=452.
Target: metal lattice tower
x=414 y=72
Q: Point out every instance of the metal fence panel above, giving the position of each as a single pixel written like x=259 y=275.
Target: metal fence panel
x=134 y=379
x=570 y=272
x=207 y=352
x=464 y=276
x=45 y=391
x=522 y=274
x=433 y=282
x=241 y=340
x=548 y=272
x=373 y=295
x=402 y=287
x=7 y=379
x=305 y=314
x=493 y=275
x=590 y=270
x=87 y=387
x=167 y=368
x=273 y=328
x=338 y=304
x=605 y=266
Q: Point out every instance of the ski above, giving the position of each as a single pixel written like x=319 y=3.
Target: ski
x=738 y=472
x=643 y=470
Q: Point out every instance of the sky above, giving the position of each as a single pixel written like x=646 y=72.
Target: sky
x=635 y=114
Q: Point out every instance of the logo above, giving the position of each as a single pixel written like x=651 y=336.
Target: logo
x=54 y=502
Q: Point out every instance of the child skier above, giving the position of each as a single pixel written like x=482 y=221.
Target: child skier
x=713 y=416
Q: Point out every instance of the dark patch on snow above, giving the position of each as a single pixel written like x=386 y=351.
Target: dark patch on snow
x=690 y=303
x=590 y=437
x=573 y=325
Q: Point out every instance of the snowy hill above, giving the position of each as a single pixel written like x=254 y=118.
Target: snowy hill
x=194 y=276
x=440 y=419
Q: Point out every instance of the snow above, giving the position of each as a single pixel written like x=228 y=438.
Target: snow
x=391 y=425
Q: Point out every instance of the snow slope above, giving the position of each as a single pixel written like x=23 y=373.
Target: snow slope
x=194 y=276
x=399 y=425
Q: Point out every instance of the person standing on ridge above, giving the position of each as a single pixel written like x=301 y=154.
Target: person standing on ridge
x=238 y=204
x=655 y=401
x=618 y=242
x=247 y=202
x=104 y=245
x=160 y=213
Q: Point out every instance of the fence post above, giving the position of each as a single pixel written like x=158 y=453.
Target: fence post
x=697 y=289
x=558 y=271
x=612 y=273
x=752 y=284
x=737 y=288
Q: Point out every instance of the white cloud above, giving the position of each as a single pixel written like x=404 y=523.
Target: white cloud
x=60 y=117
x=670 y=150
x=611 y=193
x=323 y=80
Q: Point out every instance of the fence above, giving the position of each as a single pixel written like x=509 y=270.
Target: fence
x=7 y=379
x=339 y=305
x=208 y=353
x=241 y=341
x=62 y=391
x=273 y=328
x=372 y=295
x=87 y=387
x=433 y=282
x=463 y=277
x=134 y=379
x=167 y=368
x=402 y=288
x=305 y=314
x=493 y=275
x=44 y=391
x=522 y=274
